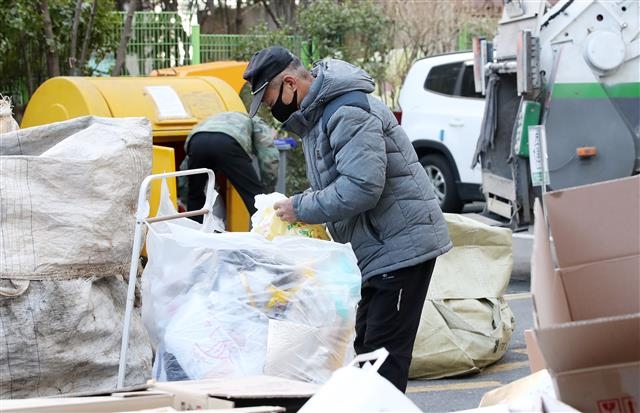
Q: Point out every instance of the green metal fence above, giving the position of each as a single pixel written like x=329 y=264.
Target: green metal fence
x=213 y=47
x=161 y=40
x=158 y=40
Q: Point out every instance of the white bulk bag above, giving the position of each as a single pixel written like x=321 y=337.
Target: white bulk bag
x=67 y=199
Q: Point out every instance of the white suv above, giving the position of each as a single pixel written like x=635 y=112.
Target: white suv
x=442 y=113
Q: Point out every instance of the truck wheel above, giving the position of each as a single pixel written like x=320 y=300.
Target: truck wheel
x=439 y=173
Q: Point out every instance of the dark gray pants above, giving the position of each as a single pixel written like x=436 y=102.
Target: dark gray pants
x=389 y=316
x=222 y=154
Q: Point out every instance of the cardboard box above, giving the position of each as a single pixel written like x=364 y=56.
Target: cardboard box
x=587 y=307
x=116 y=402
x=536 y=361
x=239 y=392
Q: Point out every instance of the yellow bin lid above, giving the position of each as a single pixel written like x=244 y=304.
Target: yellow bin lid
x=228 y=70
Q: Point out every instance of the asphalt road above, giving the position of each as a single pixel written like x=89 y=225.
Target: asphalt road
x=461 y=393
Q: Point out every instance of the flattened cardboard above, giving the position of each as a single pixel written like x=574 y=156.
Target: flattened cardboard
x=595 y=222
x=114 y=403
x=253 y=409
x=530 y=387
x=238 y=392
x=256 y=409
x=532 y=394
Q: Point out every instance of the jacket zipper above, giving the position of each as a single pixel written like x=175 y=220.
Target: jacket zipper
x=311 y=153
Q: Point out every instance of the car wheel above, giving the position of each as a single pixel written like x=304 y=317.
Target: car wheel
x=441 y=176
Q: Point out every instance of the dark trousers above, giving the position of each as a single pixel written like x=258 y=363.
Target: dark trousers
x=388 y=316
x=221 y=153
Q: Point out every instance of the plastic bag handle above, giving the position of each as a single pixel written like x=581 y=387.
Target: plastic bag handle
x=380 y=355
x=143 y=205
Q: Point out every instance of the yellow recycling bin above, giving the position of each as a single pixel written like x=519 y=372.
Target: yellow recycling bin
x=173 y=105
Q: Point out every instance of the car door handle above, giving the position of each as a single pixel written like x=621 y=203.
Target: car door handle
x=456 y=122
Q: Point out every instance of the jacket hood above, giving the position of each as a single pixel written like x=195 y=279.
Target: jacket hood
x=332 y=78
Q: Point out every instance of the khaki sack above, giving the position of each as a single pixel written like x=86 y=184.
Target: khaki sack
x=466 y=324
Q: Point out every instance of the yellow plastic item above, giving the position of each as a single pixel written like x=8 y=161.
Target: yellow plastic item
x=163 y=161
x=298 y=228
x=230 y=71
x=238 y=218
x=173 y=105
x=266 y=222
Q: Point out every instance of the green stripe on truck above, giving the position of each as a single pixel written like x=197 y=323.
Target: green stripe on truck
x=595 y=91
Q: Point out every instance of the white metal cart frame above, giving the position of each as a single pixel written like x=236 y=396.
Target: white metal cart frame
x=142 y=218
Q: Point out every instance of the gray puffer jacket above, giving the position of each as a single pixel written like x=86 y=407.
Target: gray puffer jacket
x=366 y=181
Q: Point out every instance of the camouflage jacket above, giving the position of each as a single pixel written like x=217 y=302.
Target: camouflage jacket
x=253 y=135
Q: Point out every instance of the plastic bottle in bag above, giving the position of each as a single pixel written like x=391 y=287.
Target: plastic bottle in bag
x=7 y=122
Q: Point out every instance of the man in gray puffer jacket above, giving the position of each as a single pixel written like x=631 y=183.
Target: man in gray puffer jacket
x=367 y=185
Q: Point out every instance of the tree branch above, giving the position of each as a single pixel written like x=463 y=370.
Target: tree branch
x=270 y=12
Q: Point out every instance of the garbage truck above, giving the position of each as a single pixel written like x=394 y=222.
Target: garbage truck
x=562 y=94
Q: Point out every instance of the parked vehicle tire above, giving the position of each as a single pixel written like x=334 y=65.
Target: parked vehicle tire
x=440 y=173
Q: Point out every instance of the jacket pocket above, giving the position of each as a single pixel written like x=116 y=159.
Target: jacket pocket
x=370 y=228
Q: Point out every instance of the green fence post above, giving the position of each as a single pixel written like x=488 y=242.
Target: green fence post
x=304 y=53
x=195 y=44
x=308 y=52
x=463 y=38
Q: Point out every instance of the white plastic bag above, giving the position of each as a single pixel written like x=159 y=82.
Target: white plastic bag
x=201 y=288
x=353 y=389
x=214 y=336
x=211 y=222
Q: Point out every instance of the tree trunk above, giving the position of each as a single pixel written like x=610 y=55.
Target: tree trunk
x=31 y=84
x=121 y=53
x=238 y=19
x=87 y=35
x=270 y=12
x=53 y=63
x=169 y=5
x=222 y=5
x=74 y=39
x=285 y=10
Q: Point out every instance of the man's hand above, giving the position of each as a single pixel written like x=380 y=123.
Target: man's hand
x=284 y=210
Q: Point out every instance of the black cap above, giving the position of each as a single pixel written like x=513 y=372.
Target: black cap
x=263 y=67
